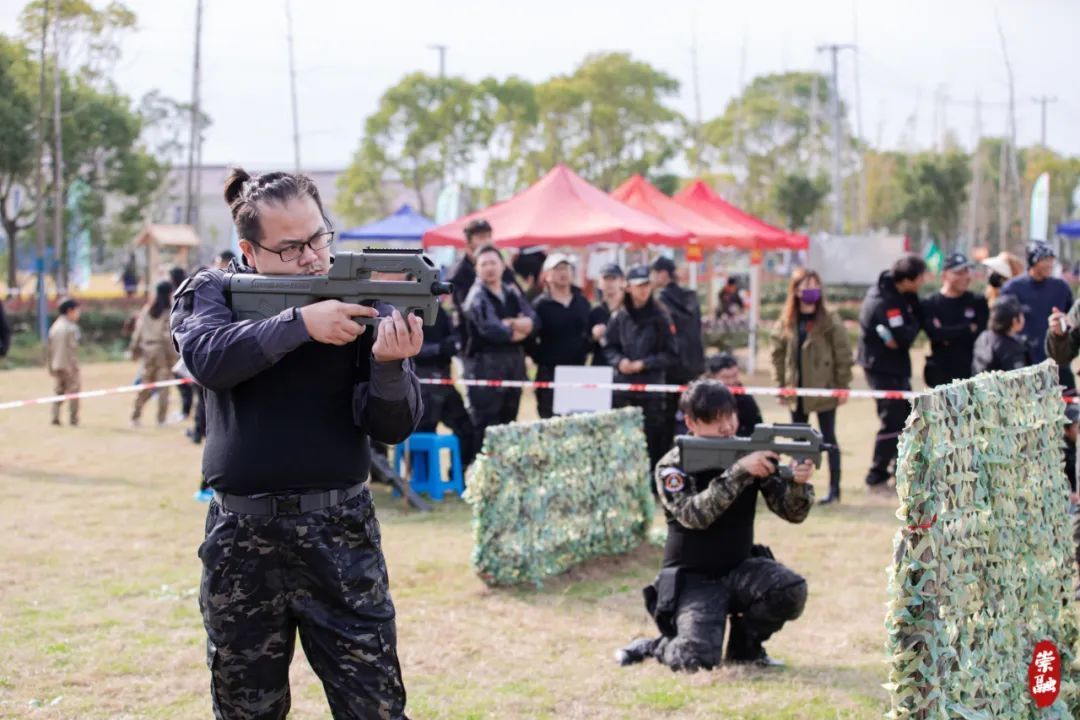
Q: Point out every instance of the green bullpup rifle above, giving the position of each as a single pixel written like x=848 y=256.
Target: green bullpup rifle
x=255 y=297
x=797 y=441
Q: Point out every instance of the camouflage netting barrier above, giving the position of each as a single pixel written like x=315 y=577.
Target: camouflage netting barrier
x=984 y=565
x=548 y=495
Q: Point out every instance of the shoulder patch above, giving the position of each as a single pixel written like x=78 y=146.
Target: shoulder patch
x=895 y=317
x=674 y=479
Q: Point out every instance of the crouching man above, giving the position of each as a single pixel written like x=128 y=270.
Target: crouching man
x=712 y=570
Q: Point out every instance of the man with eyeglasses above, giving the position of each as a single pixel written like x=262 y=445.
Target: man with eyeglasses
x=292 y=543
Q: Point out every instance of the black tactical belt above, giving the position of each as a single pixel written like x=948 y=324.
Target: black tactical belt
x=295 y=504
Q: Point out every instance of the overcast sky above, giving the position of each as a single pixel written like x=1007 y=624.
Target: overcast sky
x=349 y=52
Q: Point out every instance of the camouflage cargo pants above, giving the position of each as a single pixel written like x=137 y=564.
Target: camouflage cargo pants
x=320 y=573
x=760 y=595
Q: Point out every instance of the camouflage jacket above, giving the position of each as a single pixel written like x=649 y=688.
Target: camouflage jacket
x=697 y=501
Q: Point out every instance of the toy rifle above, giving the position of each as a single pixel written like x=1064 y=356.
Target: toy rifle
x=797 y=441
x=256 y=297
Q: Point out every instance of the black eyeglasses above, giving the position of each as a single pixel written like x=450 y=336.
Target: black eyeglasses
x=293 y=252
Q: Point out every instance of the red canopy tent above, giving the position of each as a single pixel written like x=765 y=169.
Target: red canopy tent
x=638 y=193
x=702 y=199
x=562 y=209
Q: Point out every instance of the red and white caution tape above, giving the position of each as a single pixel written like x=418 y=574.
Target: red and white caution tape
x=92 y=393
x=662 y=388
x=523 y=384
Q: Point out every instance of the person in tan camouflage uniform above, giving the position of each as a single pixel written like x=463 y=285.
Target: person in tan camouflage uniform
x=152 y=344
x=712 y=569
x=63 y=354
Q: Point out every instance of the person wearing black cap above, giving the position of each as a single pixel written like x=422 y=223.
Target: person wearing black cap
x=889 y=324
x=685 y=310
x=612 y=295
x=477 y=235
x=563 y=338
x=952 y=319
x=497 y=320
x=641 y=348
x=1002 y=346
x=1041 y=294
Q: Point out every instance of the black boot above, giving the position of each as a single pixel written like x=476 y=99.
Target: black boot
x=832 y=497
x=834 y=489
x=635 y=652
x=744 y=650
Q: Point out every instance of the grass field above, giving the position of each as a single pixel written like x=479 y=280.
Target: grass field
x=99 y=578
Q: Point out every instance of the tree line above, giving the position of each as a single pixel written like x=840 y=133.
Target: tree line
x=115 y=153
x=612 y=117
x=769 y=151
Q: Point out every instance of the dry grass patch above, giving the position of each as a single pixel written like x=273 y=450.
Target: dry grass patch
x=98 y=605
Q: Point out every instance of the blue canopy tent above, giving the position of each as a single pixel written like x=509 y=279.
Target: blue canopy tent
x=1070 y=228
x=404 y=225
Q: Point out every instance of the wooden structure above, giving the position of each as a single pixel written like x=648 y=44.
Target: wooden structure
x=179 y=239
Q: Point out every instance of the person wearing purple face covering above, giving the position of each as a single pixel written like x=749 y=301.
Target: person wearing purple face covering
x=810 y=349
x=952 y=318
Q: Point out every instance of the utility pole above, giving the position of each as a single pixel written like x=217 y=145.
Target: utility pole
x=292 y=83
x=58 y=166
x=191 y=212
x=698 y=163
x=1009 y=200
x=737 y=145
x=441 y=49
x=862 y=205
x=837 y=124
x=976 y=176
x=39 y=181
x=1042 y=101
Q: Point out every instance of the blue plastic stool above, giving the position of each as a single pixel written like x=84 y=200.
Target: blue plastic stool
x=425 y=475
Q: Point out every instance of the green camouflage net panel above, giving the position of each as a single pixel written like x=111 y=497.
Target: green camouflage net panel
x=983 y=563
x=548 y=495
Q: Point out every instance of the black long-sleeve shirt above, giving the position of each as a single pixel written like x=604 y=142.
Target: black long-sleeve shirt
x=563 y=338
x=285 y=413
x=641 y=334
x=952 y=324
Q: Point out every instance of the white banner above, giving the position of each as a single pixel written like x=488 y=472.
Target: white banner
x=1040 y=208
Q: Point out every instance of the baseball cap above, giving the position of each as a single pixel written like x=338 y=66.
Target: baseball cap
x=638 y=275
x=957 y=261
x=1038 y=250
x=998 y=264
x=555 y=259
x=664 y=263
x=611 y=270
